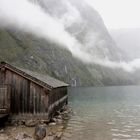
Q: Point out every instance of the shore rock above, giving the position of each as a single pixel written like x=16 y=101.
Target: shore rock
x=58 y=135
x=40 y=132
x=52 y=124
x=23 y=136
x=30 y=123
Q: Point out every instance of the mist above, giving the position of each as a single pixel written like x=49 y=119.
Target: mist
x=130 y=66
x=29 y=17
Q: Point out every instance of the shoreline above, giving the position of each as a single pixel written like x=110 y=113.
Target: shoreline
x=54 y=129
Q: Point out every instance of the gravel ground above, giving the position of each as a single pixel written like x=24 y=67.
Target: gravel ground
x=54 y=129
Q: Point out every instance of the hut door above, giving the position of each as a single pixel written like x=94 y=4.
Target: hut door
x=4 y=99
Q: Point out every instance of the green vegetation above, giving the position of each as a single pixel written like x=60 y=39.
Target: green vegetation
x=27 y=51
x=43 y=56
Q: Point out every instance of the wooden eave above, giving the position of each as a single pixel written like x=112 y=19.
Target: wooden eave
x=25 y=75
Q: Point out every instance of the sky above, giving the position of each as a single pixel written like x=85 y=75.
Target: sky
x=118 y=13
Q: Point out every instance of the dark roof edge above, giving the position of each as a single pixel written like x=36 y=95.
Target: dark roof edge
x=27 y=76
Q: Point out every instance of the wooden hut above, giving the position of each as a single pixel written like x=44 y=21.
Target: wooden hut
x=30 y=95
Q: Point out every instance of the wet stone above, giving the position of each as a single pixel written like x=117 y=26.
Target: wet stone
x=59 y=121
x=30 y=123
x=50 y=138
x=2 y=130
x=51 y=134
x=52 y=124
x=60 y=128
x=40 y=132
x=59 y=135
x=59 y=117
x=53 y=120
x=23 y=136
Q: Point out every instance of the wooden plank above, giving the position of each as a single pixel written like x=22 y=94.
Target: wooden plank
x=3 y=115
x=27 y=76
x=39 y=102
x=4 y=99
x=21 y=99
x=28 y=95
x=31 y=98
x=17 y=95
x=25 y=95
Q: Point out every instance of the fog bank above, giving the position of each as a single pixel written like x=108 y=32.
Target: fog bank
x=31 y=18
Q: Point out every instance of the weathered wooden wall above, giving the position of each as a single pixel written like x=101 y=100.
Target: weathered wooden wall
x=30 y=99
x=26 y=96
x=5 y=99
x=57 y=99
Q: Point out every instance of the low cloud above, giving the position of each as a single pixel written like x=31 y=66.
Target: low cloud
x=30 y=17
x=130 y=66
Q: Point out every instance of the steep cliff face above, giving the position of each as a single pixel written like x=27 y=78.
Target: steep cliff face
x=40 y=55
x=83 y=23
x=86 y=25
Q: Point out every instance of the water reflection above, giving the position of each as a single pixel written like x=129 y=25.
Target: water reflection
x=110 y=113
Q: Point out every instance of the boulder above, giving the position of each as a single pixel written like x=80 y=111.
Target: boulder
x=40 y=132
x=30 y=123
x=59 y=135
x=52 y=124
x=23 y=136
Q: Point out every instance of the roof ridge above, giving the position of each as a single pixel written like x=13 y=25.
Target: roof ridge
x=43 y=80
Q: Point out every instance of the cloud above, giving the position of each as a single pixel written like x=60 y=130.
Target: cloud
x=29 y=17
x=130 y=66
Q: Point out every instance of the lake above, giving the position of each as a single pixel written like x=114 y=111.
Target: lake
x=104 y=113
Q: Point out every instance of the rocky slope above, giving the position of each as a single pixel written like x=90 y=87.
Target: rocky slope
x=83 y=23
x=86 y=25
x=39 y=55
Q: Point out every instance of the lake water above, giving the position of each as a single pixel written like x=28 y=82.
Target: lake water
x=104 y=113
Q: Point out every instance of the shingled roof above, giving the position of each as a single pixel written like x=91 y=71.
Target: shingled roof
x=41 y=79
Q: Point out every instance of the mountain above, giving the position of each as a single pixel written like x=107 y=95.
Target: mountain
x=128 y=40
x=86 y=25
x=83 y=23
x=27 y=51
